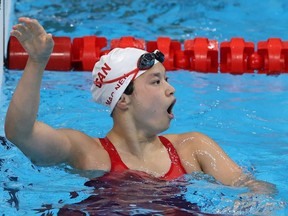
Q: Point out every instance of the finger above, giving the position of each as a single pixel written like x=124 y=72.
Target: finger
x=20 y=31
x=16 y=34
x=49 y=38
x=24 y=20
x=32 y=25
x=20 y=28
x=35 y=26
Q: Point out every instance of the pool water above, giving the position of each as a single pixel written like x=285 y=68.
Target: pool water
x=247 y=114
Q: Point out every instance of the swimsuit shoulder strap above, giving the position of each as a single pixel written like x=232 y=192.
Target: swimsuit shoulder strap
x=116 y=162
x=176 y=169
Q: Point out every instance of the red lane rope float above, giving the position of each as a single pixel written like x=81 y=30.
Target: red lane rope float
x=60 y=58
x=168 y=47
x=86 y=51
x=274 y=56
x=236 y=56
x=203 y=54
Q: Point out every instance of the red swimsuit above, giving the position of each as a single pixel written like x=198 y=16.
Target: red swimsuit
x=176 y=169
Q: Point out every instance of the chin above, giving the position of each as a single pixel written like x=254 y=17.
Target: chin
x=160 y=126
x=164 y=128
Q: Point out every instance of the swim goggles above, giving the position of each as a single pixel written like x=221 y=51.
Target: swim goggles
x=145 y=62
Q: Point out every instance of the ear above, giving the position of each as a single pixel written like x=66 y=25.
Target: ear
x=123 y=102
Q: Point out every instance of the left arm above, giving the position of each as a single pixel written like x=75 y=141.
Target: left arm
x=215 y=162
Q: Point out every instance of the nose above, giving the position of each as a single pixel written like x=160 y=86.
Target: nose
x=170 y=90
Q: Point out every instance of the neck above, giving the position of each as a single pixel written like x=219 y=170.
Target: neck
x=128 y=139
x=131 y=136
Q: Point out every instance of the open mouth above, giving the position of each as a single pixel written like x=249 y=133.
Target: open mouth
x=169 y=110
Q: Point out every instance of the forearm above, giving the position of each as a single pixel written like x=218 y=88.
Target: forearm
x=261 y=187
x=23 y=108
x=256 y=186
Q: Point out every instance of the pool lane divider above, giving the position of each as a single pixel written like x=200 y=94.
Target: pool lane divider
x=236 y=56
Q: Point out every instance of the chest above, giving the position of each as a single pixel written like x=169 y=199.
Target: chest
x=156 y=163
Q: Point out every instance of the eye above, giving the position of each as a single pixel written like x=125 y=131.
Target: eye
x=167 y=79
x=156 y=81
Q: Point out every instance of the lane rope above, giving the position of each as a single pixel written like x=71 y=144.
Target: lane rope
x=200 y=54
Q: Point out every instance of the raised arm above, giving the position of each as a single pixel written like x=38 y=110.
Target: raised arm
x=41 y=143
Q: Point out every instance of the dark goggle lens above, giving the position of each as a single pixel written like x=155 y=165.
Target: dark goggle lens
x=147 y=60
x=159 y=56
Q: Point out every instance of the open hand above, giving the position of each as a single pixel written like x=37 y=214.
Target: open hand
x=34 y=39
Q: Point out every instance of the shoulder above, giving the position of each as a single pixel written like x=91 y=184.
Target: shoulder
x=86 y=152
x=188 y=145
x=80 y=139
x=190 y=140
x=189 y=137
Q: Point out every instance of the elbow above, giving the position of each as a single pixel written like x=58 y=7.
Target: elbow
x=8 y=132
x=16 y=133
x=11 y=132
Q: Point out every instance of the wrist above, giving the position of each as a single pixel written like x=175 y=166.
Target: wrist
x=38 y=62
x=35 y=66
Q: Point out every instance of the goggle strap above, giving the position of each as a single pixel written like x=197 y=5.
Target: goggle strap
x=135 y=71
x=157 y=55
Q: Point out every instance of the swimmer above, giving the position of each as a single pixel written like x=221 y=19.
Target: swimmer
x=133 y=84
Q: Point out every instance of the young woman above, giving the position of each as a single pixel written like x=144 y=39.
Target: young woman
x=133 y=84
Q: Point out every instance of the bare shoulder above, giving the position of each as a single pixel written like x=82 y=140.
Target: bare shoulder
x=187 y=146
x=191 y=139
x=194 y=142
x=86 y=151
